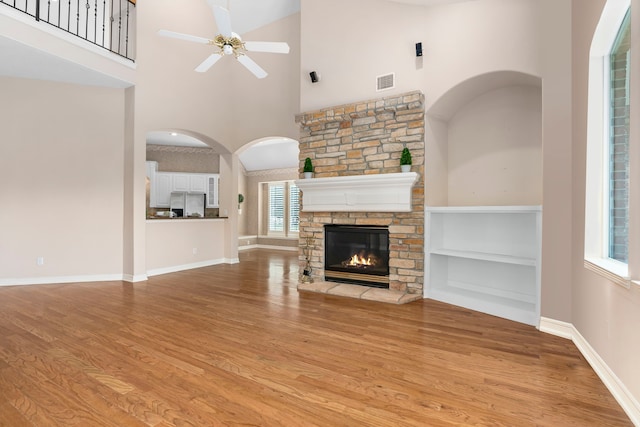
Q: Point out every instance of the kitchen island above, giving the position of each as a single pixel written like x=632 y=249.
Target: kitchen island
x=175 y=244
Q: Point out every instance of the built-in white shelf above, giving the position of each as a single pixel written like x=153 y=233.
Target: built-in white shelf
x=389 y=192
x=486 y=258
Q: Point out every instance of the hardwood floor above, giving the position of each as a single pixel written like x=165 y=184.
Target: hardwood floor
x=236 y=345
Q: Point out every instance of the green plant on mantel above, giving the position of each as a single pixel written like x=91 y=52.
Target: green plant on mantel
x=405 y=157
x=308 y=166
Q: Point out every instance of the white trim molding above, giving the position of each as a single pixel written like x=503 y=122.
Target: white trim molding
x=62 y=279
x=175 y=268
x=388 y=192
x=617 y=388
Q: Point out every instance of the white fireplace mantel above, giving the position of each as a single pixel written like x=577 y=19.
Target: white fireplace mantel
x=389 y=192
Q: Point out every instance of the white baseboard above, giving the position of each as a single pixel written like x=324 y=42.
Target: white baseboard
x=617 y=388
x=176 y=268
x=279 y=248
x=557 y=328
x=60 y=279
x=247 y=247
x=134 y=279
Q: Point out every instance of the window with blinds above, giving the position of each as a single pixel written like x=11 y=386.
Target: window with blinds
x=283 y=208
x=294 y=208
x=276 y=207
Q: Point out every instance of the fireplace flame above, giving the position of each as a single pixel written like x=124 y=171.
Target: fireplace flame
x=361 y=260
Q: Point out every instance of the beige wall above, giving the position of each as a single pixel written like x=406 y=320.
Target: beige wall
x=61 y=180
x=495 y=149
x=174 y=245
x=606 y=314
x=460 y=41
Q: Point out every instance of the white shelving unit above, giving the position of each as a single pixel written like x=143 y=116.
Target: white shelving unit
x=486 y=258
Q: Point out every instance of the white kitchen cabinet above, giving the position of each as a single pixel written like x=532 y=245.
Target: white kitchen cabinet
x=213 y=185
x=198 y=182
x=486 y=258
x=164 y=183
x=180 y=181
x=152 y=169
x=162 y=190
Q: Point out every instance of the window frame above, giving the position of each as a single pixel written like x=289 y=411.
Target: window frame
x=287 y=232
x=597 y=226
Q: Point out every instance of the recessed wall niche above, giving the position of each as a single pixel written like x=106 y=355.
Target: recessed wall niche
x=486 y=143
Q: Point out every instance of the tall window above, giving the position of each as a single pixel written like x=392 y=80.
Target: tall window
x=276 y=207
x=282 y=208
x=607 y=195
x=294 y=208
x=618 y=176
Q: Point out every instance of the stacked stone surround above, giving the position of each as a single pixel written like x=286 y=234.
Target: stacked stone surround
x=368 y=138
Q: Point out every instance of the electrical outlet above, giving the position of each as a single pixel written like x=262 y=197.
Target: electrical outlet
x=195 y=251
x=40 y=260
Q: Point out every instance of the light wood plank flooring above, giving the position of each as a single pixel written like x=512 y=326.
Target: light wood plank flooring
x=237 y=344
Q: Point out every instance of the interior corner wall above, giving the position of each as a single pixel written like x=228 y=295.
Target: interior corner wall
x=557 y=211
x=61 y=177
x=436 y=162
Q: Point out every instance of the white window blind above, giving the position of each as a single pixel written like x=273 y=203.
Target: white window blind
x=276 y=207
x=294 y=208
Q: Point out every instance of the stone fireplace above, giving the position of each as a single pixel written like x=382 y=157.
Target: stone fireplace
x=355 y=150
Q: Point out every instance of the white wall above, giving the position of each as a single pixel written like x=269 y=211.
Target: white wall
x=61 y=181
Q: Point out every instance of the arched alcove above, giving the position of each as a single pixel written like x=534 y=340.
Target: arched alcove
x=273 y=158
x=484 y=144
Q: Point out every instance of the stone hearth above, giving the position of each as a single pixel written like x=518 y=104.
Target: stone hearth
x=366 y=138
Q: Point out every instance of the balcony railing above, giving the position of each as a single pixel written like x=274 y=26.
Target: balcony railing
x=109 y=24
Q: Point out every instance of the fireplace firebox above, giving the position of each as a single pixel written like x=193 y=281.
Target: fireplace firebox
x=357 y=254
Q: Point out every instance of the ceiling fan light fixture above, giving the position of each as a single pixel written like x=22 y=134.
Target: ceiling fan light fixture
x=229 y=43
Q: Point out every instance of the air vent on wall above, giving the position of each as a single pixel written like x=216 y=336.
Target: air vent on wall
x=385 y=82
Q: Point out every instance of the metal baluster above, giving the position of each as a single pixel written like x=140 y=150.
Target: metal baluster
x=69 y=17
x=86 y=20
x=37 y=10
x=78 y=18
x=104 y=16
x=119 y=26
x=126 y=42
x=95 y=22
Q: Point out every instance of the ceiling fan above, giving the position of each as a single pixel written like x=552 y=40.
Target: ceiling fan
x=229 y=43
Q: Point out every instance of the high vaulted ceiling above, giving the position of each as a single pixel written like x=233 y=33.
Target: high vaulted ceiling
x=20 y=60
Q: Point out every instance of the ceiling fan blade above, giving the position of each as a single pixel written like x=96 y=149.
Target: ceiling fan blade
x=208 y=63
x=252 y=66
x=223 y=19
x=187 y=37
x=272 y=47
